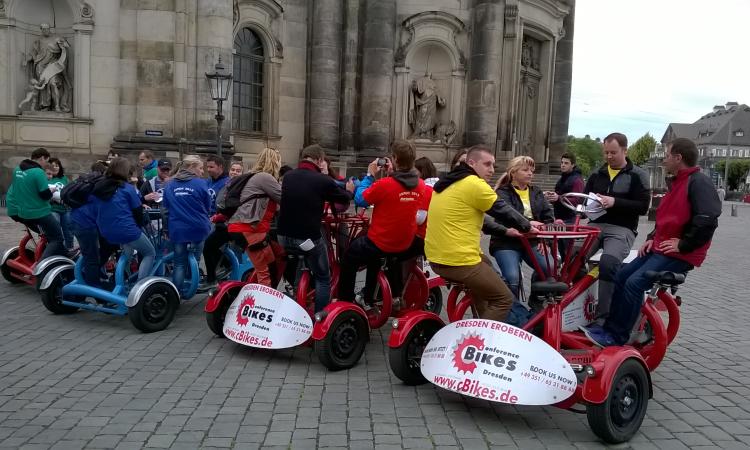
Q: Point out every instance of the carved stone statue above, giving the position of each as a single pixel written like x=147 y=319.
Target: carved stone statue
x=49 y=87
x=423 y=111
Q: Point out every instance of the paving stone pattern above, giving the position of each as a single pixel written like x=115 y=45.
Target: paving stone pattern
x=91 y=380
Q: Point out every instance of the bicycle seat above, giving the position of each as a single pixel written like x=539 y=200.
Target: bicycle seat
x=545 y=288
x=665 y=277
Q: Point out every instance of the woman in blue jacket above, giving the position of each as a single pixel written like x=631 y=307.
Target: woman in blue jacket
x=120 y=215
x=188 y=202
x=85 y=231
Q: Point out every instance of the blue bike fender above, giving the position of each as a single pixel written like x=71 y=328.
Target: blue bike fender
x=46 y=263
x=135 y=293
x=52 y=274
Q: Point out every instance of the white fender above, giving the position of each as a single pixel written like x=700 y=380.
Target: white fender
x=135 y=293
x=46 y=263
x=52 y=274
x=7 y=253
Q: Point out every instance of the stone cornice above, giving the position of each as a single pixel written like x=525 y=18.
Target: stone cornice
x=438 y=17
x=272 y=7
x=555 y=8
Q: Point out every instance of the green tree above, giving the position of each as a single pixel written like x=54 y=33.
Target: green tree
x=588 y=153
x=641 y=149
x=737 y=171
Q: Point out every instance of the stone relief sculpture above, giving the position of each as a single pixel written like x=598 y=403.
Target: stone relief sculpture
x=426 y=99
x=49 y=87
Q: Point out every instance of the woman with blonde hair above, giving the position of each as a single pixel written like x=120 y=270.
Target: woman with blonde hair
x=516 y=189
x=258 y=203
x=187 y=200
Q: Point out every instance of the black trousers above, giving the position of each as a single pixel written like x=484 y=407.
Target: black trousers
x=363 y=252
x=212 y=248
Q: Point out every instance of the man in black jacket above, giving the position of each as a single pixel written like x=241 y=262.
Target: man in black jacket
x=303 y=194
x=624 y=192
x=570 y=180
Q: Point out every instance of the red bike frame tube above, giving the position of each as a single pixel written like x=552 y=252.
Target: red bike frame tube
x=674 y=313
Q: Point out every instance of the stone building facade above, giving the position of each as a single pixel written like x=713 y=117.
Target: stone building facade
x=351 y=75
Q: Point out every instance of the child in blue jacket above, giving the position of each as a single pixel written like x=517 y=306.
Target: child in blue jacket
x=188 y=202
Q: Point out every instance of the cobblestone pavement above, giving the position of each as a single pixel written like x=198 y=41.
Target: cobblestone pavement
x=91 y=380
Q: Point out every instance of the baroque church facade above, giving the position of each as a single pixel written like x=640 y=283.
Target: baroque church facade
x=83 y=77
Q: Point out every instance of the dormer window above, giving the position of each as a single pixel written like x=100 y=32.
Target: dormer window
x=739 y=133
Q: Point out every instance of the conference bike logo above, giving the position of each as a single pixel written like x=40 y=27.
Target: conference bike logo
x=264 y=317
x=498 y=362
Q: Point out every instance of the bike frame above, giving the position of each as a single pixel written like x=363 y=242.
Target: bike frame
x=23 y=267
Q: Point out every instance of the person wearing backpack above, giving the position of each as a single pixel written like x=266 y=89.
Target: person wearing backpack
x=31 y=195
x=187 y=201
x=83 y=221
x=258 y=203
x=120 y=215
x=56 y=176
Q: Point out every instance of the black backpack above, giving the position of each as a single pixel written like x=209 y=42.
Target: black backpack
x=234 y=193
x=76 y=194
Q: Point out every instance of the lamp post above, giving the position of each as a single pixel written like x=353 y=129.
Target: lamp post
x=219 y=84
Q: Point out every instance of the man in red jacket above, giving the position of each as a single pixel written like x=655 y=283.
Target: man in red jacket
x=685 y=222
x=396 y=199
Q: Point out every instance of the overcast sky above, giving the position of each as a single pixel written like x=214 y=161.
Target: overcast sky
x=640 y=64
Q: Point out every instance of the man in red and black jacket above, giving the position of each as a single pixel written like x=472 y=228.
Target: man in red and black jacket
x=396 y=199
x=304 y=191
x=685 y=223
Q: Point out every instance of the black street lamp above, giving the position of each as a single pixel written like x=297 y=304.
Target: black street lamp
x=219 y=83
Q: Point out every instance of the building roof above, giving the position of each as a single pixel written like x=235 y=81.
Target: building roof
x=719 y=127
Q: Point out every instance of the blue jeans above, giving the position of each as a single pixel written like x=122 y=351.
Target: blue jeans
x=317 y=261
x=67 y=227
x=630 y=285
x=509 y=262
x=50 y=227
x=145 y=251
x=181 y=261
x=88 y=241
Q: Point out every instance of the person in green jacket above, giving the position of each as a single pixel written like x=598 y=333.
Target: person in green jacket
x=56 y=176
x=31 y=194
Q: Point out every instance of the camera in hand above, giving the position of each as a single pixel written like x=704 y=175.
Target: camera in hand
x=381 y=162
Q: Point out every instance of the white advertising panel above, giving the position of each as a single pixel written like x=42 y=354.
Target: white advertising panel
x=497 y=362
x=264 y=317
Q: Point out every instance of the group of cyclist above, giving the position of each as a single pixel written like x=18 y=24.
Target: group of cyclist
x=414 y=213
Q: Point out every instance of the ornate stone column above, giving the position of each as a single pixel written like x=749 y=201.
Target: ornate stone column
x=562 y=89
x=484 y=73
x=377 y=74
x=325 y=73
x=211 y=17
x=350 y=74
x=82 y=90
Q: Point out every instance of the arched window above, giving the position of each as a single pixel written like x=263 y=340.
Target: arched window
x=247 y=96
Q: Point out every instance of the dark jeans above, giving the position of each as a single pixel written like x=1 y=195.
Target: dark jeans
x=363 y=252
x=50 y=227
x=630 y=285
x=181 y=262
x=88 y=241
x=317 y=261
x=212 y=248
x=67 y=227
